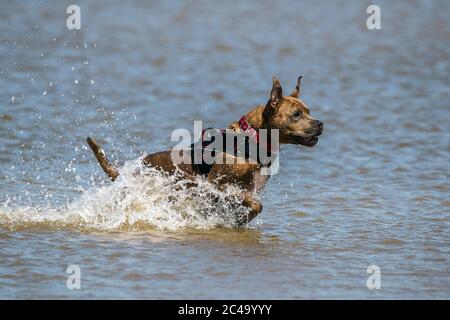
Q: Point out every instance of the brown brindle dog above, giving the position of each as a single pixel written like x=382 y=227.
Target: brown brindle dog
x=288 y=114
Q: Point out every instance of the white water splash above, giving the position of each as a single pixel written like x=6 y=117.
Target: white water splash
x=149 y=199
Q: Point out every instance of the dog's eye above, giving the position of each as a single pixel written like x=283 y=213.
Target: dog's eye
x=297 y=114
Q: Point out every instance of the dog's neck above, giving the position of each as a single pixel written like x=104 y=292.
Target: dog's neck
x=255 y=118
x=252 y=122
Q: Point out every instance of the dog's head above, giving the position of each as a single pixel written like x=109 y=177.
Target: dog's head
x=291 y=117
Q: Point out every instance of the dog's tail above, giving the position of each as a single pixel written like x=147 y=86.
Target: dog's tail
x=109 y=169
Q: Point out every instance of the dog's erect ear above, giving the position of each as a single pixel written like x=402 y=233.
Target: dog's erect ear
x=296 y=92
x=276 y=95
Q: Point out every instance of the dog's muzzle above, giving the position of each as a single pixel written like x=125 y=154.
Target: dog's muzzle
x=312 y=140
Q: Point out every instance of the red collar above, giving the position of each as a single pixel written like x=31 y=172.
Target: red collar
x=252 y=132
x=247 y=128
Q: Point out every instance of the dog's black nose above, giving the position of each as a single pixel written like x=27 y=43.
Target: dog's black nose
x=319 y=124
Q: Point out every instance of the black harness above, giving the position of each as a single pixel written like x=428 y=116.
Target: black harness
x=203 y=151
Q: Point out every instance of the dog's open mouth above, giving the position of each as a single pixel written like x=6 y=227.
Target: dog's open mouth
x=310 y=142
x=307 y=141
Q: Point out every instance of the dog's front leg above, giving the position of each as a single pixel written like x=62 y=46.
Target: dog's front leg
x=259 y=182
x=242 y=175
x=254 y=206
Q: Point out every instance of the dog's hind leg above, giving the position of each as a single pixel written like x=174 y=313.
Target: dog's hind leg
x=109 y=169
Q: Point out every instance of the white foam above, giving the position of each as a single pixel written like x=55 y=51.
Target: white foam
x=149 y=199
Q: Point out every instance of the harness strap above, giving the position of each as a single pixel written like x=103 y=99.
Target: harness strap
x=251 y=135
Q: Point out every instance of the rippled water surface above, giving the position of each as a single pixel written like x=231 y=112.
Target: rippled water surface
x=374 y=191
